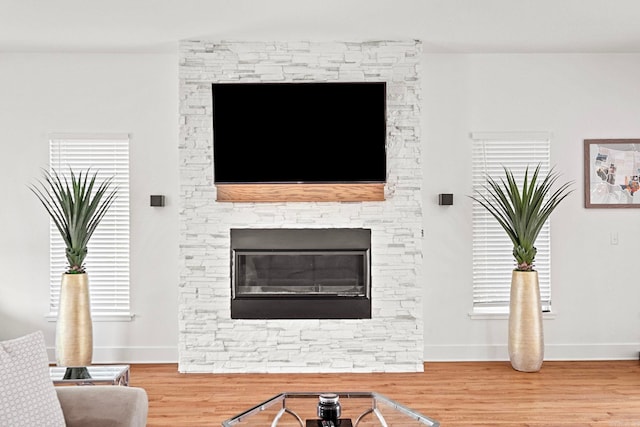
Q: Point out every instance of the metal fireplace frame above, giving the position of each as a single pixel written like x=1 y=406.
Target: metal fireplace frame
x=301 y=306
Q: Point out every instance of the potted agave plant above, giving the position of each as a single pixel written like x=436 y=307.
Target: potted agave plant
x=76 y=206
x=522 y=212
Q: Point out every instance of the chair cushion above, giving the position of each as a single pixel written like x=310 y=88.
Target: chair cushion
x=27 y=395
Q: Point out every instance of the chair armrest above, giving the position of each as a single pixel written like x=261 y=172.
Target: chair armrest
x=103 y=406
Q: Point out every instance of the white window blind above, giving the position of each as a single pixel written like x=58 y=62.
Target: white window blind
x=493 y=261
x=107 y=261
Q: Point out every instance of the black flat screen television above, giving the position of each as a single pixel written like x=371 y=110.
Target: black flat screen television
x=299 y=132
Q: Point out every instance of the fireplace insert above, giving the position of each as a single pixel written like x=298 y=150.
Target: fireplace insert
x=301 y=273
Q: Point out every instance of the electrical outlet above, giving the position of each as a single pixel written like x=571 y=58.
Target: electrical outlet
x=613 y=237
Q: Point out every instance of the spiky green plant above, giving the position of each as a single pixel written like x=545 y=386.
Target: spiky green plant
x=522 y=212
x=76 y=206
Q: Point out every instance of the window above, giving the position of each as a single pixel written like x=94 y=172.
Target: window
x=493 y=261
x=107 y=261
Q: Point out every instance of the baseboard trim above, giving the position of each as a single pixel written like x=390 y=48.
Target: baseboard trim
x=109 y=355
x=432 y=353
x=560 y=352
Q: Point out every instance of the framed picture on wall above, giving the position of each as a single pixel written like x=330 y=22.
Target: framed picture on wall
x=612 y=173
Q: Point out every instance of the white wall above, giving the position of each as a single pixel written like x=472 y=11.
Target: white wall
x=594 y=284
x=43 y=93
x=595 y=291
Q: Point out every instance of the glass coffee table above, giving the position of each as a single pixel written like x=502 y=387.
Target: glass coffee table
x=357 y=409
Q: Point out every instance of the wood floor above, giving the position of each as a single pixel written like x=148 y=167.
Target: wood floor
x=456 y=394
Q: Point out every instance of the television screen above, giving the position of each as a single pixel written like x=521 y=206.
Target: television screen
x=299 y=132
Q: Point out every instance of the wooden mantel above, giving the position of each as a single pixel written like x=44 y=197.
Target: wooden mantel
x=300 y=192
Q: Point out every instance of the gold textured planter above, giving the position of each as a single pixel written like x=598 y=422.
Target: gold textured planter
x=74 y=329
x=526 y=338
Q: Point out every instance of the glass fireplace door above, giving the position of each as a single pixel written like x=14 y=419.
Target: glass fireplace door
x=296 y=273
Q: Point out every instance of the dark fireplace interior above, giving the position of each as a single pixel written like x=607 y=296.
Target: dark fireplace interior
x=301 y=273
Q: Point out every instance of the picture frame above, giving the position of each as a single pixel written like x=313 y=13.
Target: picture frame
x=612 y=173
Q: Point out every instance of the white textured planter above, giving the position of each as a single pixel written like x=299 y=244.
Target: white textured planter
x=74 y=328
x=526 y=337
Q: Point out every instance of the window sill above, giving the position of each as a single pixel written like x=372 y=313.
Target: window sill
x=99 y=317
x=503 y=315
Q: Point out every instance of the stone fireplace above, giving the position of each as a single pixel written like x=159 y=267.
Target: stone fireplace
x=390 y=337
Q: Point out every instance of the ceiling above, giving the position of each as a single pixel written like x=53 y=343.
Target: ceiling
x=447 y=26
